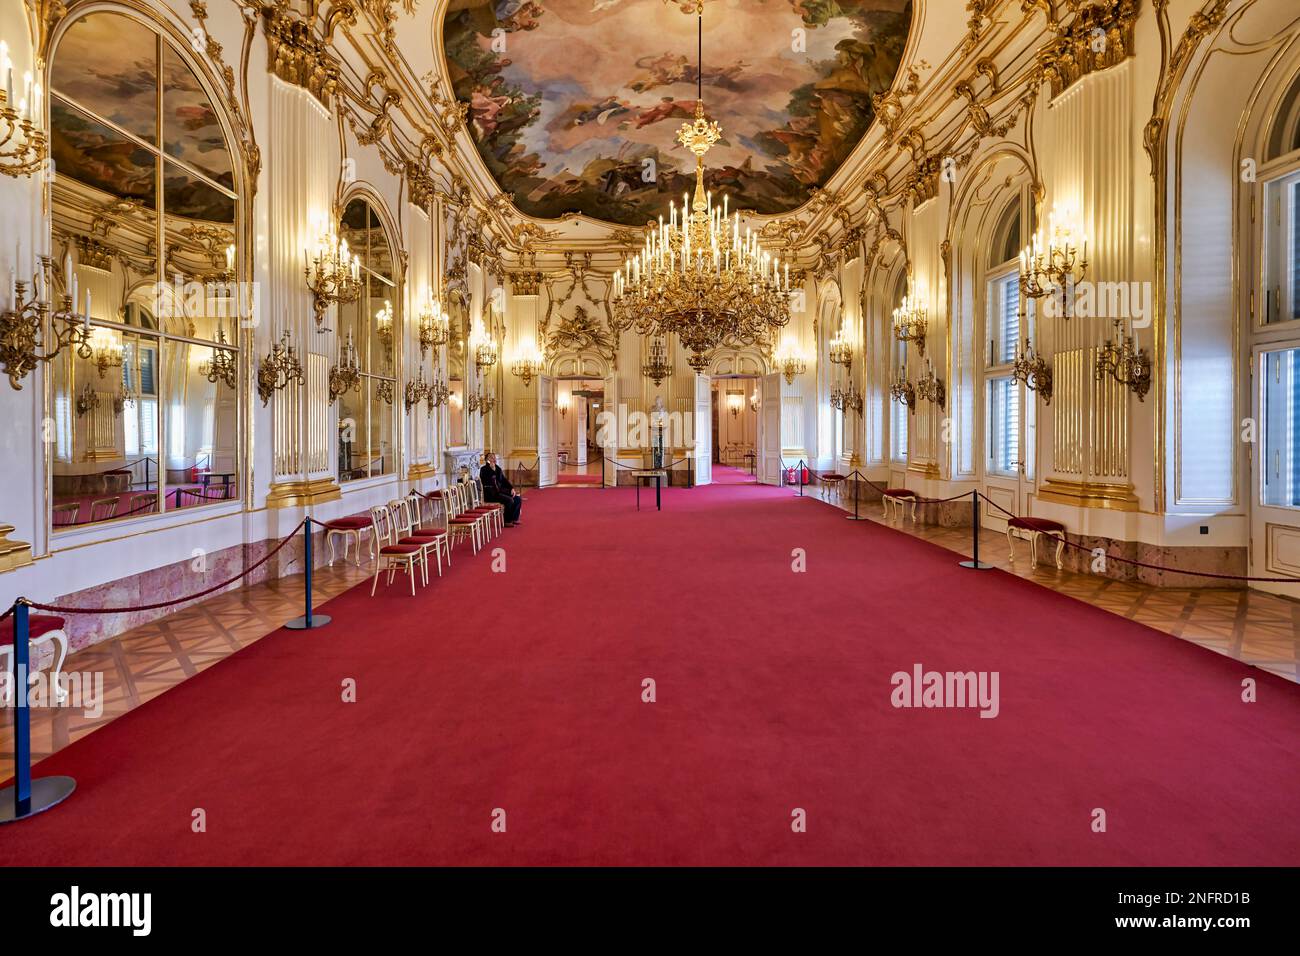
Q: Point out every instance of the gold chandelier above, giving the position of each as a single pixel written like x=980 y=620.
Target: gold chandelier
x=696 y=276
x=657 y=365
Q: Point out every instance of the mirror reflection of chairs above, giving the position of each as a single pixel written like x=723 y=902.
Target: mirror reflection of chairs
x=101 y=509
x=66 y=514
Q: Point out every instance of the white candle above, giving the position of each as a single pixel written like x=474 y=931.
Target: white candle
x=87 y=305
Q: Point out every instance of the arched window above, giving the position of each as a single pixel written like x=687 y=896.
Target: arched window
x=145 y=232
x=372 y=324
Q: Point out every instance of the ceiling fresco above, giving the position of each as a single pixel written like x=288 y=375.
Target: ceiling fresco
x=574 y=105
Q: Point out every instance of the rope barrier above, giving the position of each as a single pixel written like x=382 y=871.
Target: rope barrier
x=59 y=609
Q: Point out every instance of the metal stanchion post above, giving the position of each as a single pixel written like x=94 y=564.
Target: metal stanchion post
x=975 y=564
x=801 y=471
x=855 y=478
x=27 y=797
x=308 y=620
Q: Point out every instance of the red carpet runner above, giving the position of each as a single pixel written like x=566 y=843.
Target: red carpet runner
x=522 y=691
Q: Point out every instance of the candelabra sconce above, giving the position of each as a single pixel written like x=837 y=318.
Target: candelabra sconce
x=754 y=401
x=333 y=276
x=346 y=375
x=384 y=389
x=106 y=351
x=791 y=364
x=471 y=402
x=22 y=342
x=487 y=402
x=526 y=368
x=735 y=402
x=903 y=392
x=847 y=399
x=657 y=366
x=485 y=355
x=23 y=145
x=120 y=401
x=841 y=352
x=416 y=392
x=1125 y=363
x=278 y=369
x=437 y=395
x=87 y=400
x=563 y=402
x=1032 y=369
x=1054 y=264
x=384 y=326
x=910 y=322
x=221 y=367
x=930 y=388
x=433 y=327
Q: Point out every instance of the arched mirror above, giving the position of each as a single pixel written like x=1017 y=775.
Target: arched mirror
x=145 y=241
x=372 y=325
x=458 y=320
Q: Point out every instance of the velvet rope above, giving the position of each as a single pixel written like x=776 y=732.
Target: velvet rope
x=160 y=604
x=1152 y=567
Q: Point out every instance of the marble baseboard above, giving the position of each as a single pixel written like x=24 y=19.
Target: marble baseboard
x=178 y=581
x=1232 y=561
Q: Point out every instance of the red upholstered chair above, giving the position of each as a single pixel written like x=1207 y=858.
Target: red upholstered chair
x=424 y=524
x=42 y=630
x=1036 y=527
x=495 y=509
x=390 y=556
x=895 y=498
x=462 y=522
x=349 y=528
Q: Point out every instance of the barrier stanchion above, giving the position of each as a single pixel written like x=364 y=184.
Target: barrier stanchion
x=308 y=620
x=975 y=564
x=855 y=516
x=802 y=468
x=27 y=797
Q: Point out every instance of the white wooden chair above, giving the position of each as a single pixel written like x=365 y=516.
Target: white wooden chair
x=389 y=555
x=43 y=630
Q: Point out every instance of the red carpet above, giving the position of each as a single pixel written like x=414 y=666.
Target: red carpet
x=522 y=691
x=571 y=478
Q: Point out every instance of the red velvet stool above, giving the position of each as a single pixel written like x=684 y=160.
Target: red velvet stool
x=41 y=629
x=896 y=497
x=1036 y=527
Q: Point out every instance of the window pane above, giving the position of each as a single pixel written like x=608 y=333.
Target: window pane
x=108 y=64
x=379 y=449
x=191 y=198
x=93 y=154
x=1282 y=250
x=1281 y=444
x=1004 y=425
x=191 y=131
x=202 y=427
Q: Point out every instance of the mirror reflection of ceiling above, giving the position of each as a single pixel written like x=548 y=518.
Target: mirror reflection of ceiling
x=587 y=90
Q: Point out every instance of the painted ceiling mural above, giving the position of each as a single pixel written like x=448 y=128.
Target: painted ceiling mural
x=574 y=96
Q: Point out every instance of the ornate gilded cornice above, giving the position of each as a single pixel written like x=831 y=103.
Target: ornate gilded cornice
x=1100 y=36
x=525 y=283
x=297 y=55
x=420 y=187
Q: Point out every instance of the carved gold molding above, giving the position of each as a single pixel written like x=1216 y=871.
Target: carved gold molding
x=1086 y=494
x=1100 y=36
x=13 y=554
x=297 y=55
x=296 y=494
x=525 y=283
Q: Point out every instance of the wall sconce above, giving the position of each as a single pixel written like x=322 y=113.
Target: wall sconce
x=903 y=392
x=910 y=321
x=527 y=365
x=23 y=145
x=790 y=362
x=22 y=325
x=1129 y=366
x=106 y=350
x=754 y=400
x=384 y=324
x=1054 y=264
x=564 y=401
x=346 y=375
x=481 y=401
x=841 y=351
x=930 y=388
x=278 y=369
x=434 y=329
x=416 y=391
x=87 y=400
x=333 y=275
x=847 y=399
x=220 y=367
x=485 y=349
x=384 y=390
x=735 y=402
x=437 y=395
x=1032 y=369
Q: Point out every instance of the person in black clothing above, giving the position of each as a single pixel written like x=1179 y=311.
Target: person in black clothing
x=497 y=488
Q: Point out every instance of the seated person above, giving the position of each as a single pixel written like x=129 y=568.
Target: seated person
x=497 y=488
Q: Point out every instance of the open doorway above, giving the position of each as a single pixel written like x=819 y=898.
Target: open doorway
x=736 y=402
x=579 y=401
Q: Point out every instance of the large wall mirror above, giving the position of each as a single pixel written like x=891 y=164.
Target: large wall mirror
x=458 y=322
x=146 y=232
x=372 y=324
